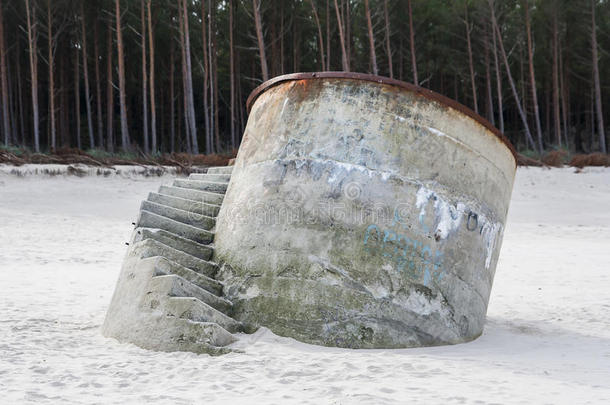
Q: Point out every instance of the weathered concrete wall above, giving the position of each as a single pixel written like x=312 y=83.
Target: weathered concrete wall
x=361 y=214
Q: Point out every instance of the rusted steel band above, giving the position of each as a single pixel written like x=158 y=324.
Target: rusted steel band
x=429 y=94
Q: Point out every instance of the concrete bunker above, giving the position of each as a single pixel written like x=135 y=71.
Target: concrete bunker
x=364 y=212
x=361 y=212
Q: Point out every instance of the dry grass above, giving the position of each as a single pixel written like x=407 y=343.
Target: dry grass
x=593 y=159
x=523 y=160
x=560 y=158
x=196 y=160
x=183 y=162
x=555 y=158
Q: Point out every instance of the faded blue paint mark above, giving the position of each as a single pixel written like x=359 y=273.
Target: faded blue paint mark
x=416 y=260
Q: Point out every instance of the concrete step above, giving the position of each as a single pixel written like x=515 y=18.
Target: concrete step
x=151 y=247
x=203 y=252
x=186 y=217
x=198 y=311
x=191 y=194
x=211 y=210
x=220 y=170
x=218 y=178
x=176 y=286
x=161 y=330
x=210 y=186
x=149 y=219
x=198 y=337
x=165 y=267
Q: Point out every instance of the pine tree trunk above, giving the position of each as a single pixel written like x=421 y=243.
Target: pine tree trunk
x=387 y=38
x=530 y=54
x=369 y=25
x=347 y=30
x=172 y=118
x=401 y=59
x=528 y=134
x=564 y=104
x=296 y=51
x=77 y=100
x=214 y=70
x=210 y=68
x=184 y=104
x=162 y=97
x=206 y=75
x=240 y=103
x=190 y=135
x=64 y=126
x=489 y=104
x=521 y=60
x=344 y=57
x=320 y=39
x=328 y=35
x=4 y=83
x=556 y=109
x=282 y=47
x=260 y=39
x=180 y=113
x=33 y=55
x=12 y=103
x=275 y=50
x=51 y=62
x=548 y=101
x=109 y=94
x=189 y=80
x=185 y=108
x=21 y=111
x=592 y=119
x=12 y=108
x=86 y=78
x=151 y=66
x=98 y=87
x=596 y=82
x=144 y=79
x=498 y=80
x=412 y=44
x=232 y=75
x=471 y=65
x=121 y=63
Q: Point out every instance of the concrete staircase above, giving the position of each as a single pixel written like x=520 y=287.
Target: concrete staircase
x=167 y=297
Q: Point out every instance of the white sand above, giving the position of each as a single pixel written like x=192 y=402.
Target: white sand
x=547 y=338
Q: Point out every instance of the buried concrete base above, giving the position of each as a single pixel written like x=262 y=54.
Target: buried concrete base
x=363 y=213
x=316 y=312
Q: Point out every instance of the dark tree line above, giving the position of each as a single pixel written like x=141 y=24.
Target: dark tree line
x=173 y=75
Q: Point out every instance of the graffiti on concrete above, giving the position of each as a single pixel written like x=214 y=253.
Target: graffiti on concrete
x=413 y=256
x=415 y=259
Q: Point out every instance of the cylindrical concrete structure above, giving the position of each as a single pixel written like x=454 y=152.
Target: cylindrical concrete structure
x=363 y=212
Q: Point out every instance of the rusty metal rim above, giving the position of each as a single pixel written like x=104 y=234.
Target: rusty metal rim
x=429 y=94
